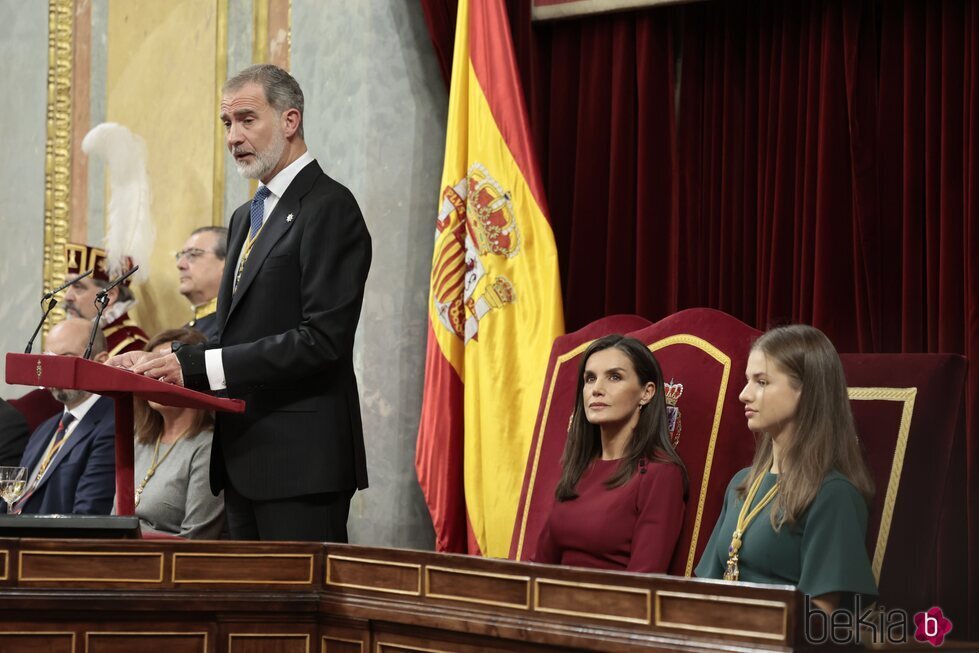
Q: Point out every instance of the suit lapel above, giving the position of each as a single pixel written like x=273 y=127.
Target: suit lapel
x=236 y=240
x=36 y=445
x=85 y=427
x=275 y=227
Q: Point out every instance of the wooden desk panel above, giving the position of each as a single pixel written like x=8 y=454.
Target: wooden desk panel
x=89 y=596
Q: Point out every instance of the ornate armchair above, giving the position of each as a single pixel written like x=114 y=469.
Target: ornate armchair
x=906 y=407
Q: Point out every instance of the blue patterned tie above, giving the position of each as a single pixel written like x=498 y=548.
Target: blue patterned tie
x=258 y=209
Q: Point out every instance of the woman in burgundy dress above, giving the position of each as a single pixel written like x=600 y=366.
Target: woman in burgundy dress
x=620 y=500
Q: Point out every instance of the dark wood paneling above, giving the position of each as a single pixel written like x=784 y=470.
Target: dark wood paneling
x=145 y=642
x=59 y=568
x=268 y=643
x=379 y=575
x=483 y=588
x=36 y=642
x=594 y=601
x=257 y=569
x=238 y=597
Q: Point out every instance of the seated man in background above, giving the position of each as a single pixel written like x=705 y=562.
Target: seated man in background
x=13 y=434
x=70 y=458
x=200 y=265
x=122 y=334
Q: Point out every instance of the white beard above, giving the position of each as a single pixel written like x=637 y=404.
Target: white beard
x=265 y=161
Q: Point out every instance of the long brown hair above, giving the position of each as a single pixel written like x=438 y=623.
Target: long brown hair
x=148 y=422
x=650 y=440
x=825 y=437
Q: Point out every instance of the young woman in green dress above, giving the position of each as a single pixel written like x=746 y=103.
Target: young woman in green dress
x=798 y=515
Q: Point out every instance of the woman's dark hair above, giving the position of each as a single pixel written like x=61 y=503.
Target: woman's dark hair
x=650 y=439
x=149 y=423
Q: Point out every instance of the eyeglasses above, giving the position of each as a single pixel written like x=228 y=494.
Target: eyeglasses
x=192 y=254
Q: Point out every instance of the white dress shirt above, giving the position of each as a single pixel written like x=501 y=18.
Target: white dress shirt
x=277 y=186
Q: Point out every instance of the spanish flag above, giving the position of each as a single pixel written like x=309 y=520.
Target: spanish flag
x=495 y=297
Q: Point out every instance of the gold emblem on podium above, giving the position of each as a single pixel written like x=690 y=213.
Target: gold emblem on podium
x=38 y=370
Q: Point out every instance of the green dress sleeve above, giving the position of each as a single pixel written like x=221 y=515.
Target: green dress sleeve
x=834 y=553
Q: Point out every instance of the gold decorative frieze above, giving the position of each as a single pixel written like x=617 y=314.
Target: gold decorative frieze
x=57 y=147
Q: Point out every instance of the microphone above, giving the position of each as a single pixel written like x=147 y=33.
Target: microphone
x=101 y=301
x=51 y=305
x=49 y=295
x=105 y=291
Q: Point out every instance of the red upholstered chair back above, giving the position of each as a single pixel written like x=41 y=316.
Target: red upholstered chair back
x=703 y=351
x=905 y=405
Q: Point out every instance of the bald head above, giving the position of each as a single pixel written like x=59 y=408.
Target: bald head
x=69 y=338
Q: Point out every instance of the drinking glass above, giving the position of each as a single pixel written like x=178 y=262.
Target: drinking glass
x=13 y=482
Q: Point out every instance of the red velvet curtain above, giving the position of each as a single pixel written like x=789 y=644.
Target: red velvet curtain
x=809 y=161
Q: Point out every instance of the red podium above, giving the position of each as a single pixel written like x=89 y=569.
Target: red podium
x=73 y=373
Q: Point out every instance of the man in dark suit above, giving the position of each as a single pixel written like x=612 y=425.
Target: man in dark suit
x=13 y=434
x=288 y=307
x=70 y=458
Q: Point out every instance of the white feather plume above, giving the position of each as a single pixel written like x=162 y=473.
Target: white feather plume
x=130 y=234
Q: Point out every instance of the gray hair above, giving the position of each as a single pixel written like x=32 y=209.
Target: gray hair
x=221 y=246
x=282 y=91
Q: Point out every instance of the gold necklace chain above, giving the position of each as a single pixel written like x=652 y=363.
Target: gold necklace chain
x=153 y=465
x=744 y=520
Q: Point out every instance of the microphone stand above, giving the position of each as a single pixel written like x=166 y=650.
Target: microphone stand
x=49 y=295
x=101 y=301
x=51 y=305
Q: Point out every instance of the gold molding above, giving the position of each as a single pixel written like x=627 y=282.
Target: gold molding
x=260 y=31
x=907 y=397
x=598 y=587
x=57 y=145
x=681 y=338
x=20 y=567
x=326 y=638
x=173 y=568
x=122 y=633
x=478 y=574
x=305 y=636
x=716 y=629
x=6 y=565
x=369 y=561
x=220 y=76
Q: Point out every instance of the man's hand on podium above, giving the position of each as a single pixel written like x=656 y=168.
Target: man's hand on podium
x=156 y=365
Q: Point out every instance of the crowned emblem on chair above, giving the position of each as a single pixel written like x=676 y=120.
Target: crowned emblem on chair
x=673 y=392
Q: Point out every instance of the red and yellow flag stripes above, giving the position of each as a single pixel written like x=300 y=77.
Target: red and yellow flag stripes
x=495 y=297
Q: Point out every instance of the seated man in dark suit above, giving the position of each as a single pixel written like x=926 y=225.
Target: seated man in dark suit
x=70 y=458
x=13 y=434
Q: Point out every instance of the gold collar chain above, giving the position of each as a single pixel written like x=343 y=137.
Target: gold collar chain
x=744 y=520
x=153 y=465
